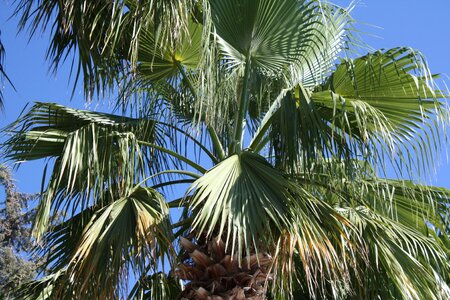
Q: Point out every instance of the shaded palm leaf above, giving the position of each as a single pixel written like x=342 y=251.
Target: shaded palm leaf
x=157 y=286
x=401 y=256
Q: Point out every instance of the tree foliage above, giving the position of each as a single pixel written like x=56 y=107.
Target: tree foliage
x=303 y=160
x=15 y=242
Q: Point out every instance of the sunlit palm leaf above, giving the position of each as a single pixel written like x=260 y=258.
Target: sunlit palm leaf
x=312 y=252
x=93 y=152
x=384 y=97
x=271 y=35
x=104 y=33
x=156 y=65
x=243 y=198
x=315 y=207
x=122 y=234
x=299 y=136
x=411 y=204
x=98 y=246
x=41 y=289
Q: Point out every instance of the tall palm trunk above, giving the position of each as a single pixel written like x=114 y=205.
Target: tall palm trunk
x=213 y=273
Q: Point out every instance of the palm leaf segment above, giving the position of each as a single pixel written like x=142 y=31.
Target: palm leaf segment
x=384 y=97
x=315 y=204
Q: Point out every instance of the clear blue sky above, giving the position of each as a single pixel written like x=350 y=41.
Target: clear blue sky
x=424 y=25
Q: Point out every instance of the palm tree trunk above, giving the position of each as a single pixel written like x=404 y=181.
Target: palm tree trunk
x=213 y=273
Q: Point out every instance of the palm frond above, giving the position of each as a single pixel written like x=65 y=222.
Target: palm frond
x=93 y=152
x=388 y=98
x=103 y=33
x=244 y=198
x=125 y=233
x=40 y=289
x=410 y=263
x=3 y=75
x=316 y=253
x=157 y=286
x=155 y=65
x=100 y=244
x=409 y=203
x=272 y=35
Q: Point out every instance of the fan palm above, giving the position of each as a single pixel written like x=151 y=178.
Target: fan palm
x=281 y=137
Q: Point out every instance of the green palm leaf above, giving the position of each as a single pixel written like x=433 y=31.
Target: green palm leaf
x=156 y=65
x=305 y=196
x=402 y=255
x=384 y=97
x=104 y=32
x=243 y=197
x=121 y=234
x=98 y=245
x=271 y=35
x=93 y=151
x=156 y=287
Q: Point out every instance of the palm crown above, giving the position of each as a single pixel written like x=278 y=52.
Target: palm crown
x=282 y=135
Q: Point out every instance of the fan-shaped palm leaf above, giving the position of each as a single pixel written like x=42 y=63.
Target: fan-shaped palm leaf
x=101 y=243
x=384 y=97
x=243 y=197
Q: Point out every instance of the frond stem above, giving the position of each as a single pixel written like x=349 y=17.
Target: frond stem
x=176 y=155
x=216 y=143
x=243 y=103
x=173 y=182
x=195 y=141
x=265 y=124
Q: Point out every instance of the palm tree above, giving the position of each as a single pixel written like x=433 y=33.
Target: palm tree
x=281 y=137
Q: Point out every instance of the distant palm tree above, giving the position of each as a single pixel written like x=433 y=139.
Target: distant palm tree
x=283 y=139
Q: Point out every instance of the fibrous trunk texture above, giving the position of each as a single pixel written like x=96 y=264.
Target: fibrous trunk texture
x=213 y=273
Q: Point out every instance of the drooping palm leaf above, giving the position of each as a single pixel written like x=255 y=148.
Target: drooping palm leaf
x=92 y=151
x=404 y=258
x=100 y=244
x=104 y=33
x=43 y=288
x=411 y=204
x=311 y=251
x=124 y=233
x=156 y=287
x=3 y=75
